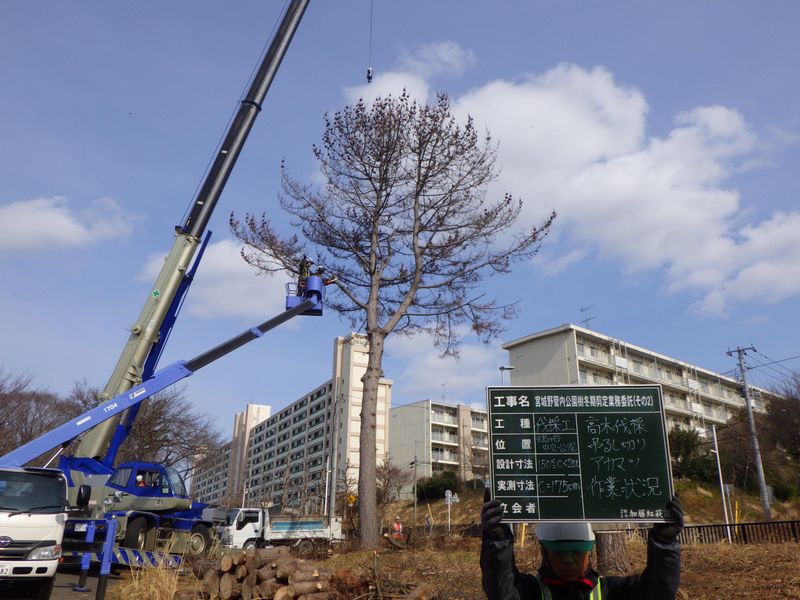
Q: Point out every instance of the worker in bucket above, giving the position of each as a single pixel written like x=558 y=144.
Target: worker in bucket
x=566 y=572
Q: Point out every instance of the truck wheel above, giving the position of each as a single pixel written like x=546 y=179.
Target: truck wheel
x=250 y=545
x=199 y=540
x=139 y=535
x=305 y=548
x=43 y=590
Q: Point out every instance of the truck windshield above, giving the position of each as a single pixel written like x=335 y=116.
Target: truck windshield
x=230 y=517
x=29 y=491
x=176 y=483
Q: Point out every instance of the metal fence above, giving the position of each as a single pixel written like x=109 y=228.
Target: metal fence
x=770 y=532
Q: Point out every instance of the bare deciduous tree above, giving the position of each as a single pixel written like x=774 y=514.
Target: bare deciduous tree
x=167 y=428
x=404 y=222
x=391 y=479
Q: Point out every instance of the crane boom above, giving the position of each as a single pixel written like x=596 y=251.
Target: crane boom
x=63 y=434
x=144 y=333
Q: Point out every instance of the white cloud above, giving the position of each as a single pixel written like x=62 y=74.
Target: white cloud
x=576 y=140
x=45 y=224
x=226 y=286
x=438 y=58
x=554 y=266
x=424 y=372
x=767 y=268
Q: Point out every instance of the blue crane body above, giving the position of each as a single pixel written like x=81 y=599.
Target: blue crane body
x=162 y=505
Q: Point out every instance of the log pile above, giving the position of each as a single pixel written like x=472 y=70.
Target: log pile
x=266 y=574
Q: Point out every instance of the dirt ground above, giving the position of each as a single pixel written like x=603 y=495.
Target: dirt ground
x=448 y=569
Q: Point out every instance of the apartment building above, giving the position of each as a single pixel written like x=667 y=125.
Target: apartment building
x=291 y=454
x=210 y=477
x=694 y=397
x=221 y=474
x=439 y=437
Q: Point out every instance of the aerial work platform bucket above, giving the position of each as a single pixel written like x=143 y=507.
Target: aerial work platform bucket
x=313 y=289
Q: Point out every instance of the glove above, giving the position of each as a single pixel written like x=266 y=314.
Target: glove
x=670 y=530
x=491 y=515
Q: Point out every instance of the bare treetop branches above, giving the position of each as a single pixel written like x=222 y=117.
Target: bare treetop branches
x=403 y=219
x=404 y=223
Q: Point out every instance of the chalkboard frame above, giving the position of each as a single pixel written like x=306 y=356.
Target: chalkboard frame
x=654 y=512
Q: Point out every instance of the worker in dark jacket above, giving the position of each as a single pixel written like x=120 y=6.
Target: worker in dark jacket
x=566 y=572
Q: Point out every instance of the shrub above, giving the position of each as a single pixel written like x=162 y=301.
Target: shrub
x=434 y=487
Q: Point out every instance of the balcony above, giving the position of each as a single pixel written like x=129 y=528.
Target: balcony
x=444 y=438
x=438 y=417
x=444 y=457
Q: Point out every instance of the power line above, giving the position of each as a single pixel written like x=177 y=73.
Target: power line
x=778 y=362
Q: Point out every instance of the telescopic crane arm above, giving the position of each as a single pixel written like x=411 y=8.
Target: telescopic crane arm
x=129 y=370
x=133 y=397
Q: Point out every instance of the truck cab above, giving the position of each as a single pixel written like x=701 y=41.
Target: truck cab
x=255 y=527
x=33 y=507
x=146 y=487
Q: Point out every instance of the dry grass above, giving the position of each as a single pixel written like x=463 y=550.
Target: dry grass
x=159 y=583
x=448 y=569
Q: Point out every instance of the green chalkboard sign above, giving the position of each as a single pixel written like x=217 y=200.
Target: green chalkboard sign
x=579 y=453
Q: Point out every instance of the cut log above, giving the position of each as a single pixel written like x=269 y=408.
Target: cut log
x=307 y=575
x=239 y=558
x=252 y=561
x=247 y=590
x=265 y=573
x=310 y=587
x=267 y=555
x=268 y=588
x=226 y=563
x=285 y=568
x=201 y=565
x=241 y=572
x=211 y=583
x=283 y=593
x=229 y=587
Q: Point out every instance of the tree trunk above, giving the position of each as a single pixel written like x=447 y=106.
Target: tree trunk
x=612 y=555
x=369 y=526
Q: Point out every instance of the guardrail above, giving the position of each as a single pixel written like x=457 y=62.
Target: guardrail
x=766 y=532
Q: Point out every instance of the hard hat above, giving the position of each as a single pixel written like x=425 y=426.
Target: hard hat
x=576 y=536
x=139 y=478
x=397 y=518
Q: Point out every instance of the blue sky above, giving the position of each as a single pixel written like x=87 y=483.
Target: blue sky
x=665 y=134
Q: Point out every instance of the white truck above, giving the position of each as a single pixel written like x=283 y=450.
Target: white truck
x=33 y=510
x=255 y=528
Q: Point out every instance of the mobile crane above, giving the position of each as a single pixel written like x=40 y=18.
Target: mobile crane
x=161 y=506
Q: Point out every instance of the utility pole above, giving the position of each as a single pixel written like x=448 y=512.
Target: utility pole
x=762 y=482
x=415 y=485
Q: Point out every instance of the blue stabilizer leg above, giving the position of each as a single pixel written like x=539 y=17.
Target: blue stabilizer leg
x=86 y=560
x=105 y=564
